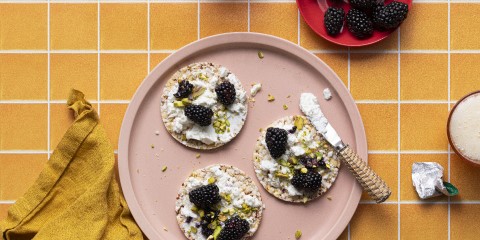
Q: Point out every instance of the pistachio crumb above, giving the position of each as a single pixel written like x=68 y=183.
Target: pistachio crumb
x=198 y=155
x=304 y=170
x=193 y=229
x=329 y=198
x=152 y=146
x=298 y=234
x=288 y=96
x=164 y=168
x=260 y=129
x=270 y=98
x=211 y=180
x=285 y=107
x=260 y=55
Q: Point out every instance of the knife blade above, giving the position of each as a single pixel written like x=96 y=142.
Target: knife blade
x=370 y=181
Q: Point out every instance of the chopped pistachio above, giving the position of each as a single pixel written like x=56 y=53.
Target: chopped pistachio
x=319 y=155
x=298 y=123
x=194 y=208
x=270 y=98
x=227 y=123
x=152 y=146
x=178 y=104
x=328 y=165
x=260 y=129
x=285 y=107
x=201 y=213
x=193 y=229
x=329 y=198
x=198 y=155
x=222 y=218
x=184 y=137
x=197 y=93
x=216 y=124
x=288 y=96
x=304 y=170
x=211 y=180
x=298 y=234
x=164 y=168
x=293 y=160
x=203 y=77
x=225 y=210
x=212 y=225
x=305 y=199
x=186 y=101
x=279 y=174
x=260 y=54
x=216 y=232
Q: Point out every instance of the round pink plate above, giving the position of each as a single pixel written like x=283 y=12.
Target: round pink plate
x=286 y=70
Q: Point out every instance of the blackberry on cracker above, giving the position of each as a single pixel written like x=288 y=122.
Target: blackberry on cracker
x=205 y=196
x=333 y=20
x=199 y=114
x=225 y=93
x=235 y=228
x=184 y=89
x=276 y=139
x=309 y=181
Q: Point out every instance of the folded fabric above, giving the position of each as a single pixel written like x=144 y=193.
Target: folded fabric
x=76 y=195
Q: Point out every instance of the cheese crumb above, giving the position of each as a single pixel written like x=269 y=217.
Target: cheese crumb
x=255 y=89
x=327 y=95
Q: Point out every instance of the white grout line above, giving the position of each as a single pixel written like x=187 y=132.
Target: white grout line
x=398 y=136
x=248 y=16
x=298 y=27
x=48 y=81
x=148 y=34
x=449 y=97
x=198 y=19
x=98 y=58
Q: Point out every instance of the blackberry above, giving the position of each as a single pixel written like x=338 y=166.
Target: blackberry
x=184 y=89
x=333 y=20
x=390 y=16
x=322 y=164
x=205 y=196
x=359 y=24
x=199 y=114
x=209 y=217
x=225 y=93
x=189 y=219
x=309 y=162
x=310 y=181
x=276 y=139
x=365 y=5
x=235 y=228
x=293 y=130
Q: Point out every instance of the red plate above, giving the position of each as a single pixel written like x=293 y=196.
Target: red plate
x=313 y=11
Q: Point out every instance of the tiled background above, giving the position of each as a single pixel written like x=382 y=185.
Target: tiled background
x=404 y=87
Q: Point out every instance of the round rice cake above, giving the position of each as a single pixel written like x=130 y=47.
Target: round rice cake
x=239 y=197
x=227 y=121
x=275 y=175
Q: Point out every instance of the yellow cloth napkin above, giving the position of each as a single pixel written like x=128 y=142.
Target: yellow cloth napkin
x=77 y=195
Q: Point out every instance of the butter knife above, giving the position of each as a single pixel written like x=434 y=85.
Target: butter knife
x=376 y=188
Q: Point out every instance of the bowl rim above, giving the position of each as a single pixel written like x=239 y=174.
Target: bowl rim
x=459 y=154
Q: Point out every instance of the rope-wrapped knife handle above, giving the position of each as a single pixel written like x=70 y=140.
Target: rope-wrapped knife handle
x=370 y=181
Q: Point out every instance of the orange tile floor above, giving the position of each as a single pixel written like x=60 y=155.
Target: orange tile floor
x=404 y=87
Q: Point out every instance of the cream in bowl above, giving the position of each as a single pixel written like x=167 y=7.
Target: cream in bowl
x=464 y=127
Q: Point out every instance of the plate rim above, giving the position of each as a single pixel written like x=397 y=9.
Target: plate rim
x=227 y=39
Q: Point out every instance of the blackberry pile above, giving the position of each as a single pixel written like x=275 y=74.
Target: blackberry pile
x=276 y=139
x=365 y=16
